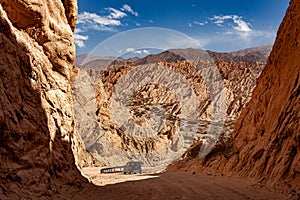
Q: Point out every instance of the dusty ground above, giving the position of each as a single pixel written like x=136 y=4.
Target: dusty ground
x=174 y=185
x=108 y=179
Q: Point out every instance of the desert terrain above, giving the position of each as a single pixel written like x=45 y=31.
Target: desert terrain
x=45 y=156
x=174 y=185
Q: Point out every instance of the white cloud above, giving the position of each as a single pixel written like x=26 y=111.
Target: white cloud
x=109 y=21
x=79 y=30
x=86 y=17
x=234 y=33
x=140 y=51
x=200 y=23
x=219 y=20
x=241 y=24
x=127 y=8
x=238 y=23
x=116 y=14
x=80 y=39
x=129 y=50
x=146 y=51
x=92 y=21
x=80 y=43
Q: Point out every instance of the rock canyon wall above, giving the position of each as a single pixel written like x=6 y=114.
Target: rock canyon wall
x=37 y=134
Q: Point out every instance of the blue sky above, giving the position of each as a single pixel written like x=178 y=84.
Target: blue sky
x=227 y=25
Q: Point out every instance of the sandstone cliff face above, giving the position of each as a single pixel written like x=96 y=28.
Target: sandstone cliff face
x=36 y=115
x=153 y=106
x=266 y=140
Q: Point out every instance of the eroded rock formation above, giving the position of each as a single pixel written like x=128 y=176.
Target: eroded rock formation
x=155 y=108
x=36 y=114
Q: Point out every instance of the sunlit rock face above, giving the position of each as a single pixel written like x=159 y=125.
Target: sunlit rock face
x=153 y=109
x=36 y=113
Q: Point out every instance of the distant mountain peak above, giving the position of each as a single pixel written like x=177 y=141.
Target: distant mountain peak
x=255 y=54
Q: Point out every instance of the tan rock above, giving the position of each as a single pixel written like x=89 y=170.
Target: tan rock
x=36 y=113
x=154 y=141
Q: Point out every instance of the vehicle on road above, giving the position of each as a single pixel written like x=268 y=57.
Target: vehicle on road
x=133 y=168
x=112 y=169
x=130 y=168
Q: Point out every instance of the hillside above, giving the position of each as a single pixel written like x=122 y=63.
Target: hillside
x=150 y=138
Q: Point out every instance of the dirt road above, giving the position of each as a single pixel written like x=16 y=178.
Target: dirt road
x=181 y=185
x=108 y=179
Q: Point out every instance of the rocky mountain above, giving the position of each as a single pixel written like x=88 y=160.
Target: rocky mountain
x=156 y=130
x=259 y=54
x=256 y=54
x=40 y=149
x=265 y=142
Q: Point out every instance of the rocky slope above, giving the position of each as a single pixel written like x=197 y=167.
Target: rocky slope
x=153 y=132
x=265 y=143
x=36 y=114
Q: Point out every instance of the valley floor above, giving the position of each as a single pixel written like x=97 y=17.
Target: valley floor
x=173 y=185
x=113 y=178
